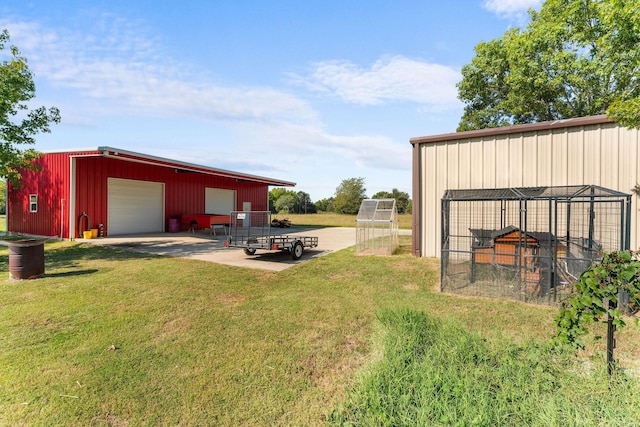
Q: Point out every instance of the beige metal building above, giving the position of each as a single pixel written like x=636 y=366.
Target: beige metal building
x=588 y=150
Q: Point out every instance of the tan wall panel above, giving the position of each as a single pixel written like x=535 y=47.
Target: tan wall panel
x=466 y=162
x=515 y=161
x=476 y=171
x=544 y=161
x=559 y=158
x=610 y=157
x=503 y=169
x=454 y=164
x=591 y=157
x=575 y=155
x=529 y=160
x=606 y=155
x=488 y=166
x=433 y=193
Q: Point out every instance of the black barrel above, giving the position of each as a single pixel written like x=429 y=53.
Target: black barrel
x=26 y=259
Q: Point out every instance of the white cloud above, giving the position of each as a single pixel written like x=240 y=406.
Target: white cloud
x=512 y=9
x=119 y=65
x=390 y=79
x=117 y=70
x=293 y=143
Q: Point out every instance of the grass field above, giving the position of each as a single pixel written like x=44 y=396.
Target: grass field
x=116 y=338
x=334 y=220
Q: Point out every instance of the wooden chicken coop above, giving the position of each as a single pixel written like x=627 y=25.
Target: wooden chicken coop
x=507 y=247
x=528 y=244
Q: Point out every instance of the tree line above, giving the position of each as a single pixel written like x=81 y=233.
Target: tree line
x=346 y=200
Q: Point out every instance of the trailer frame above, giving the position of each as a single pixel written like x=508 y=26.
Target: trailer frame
x=251 y=230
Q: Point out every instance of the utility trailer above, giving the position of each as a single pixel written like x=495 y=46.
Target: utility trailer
x=252 y=231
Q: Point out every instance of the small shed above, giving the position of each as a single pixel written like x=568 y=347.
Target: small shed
x=377 y=227
x=502 y=246
x=127 y=192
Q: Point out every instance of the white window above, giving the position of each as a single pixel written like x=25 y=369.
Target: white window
x=33 y=203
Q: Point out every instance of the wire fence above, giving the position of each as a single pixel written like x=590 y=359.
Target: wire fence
x=528 y=244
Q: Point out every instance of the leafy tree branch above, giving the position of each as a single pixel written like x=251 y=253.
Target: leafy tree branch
x=574 y=58
x=602 y=283
x=19 y=124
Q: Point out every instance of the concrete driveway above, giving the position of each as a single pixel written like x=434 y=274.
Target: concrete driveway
x=203 y=246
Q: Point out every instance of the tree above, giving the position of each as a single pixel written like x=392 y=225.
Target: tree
x=3 y=197
x=303 y=203
x=286 y=203
x=575 y=58
x=349 y=194
x=291 y=202
x=16 y=89
x=403 y=202
x=325 y=205
x=274 y=195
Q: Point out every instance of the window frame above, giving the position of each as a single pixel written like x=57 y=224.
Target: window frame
x=33 y=203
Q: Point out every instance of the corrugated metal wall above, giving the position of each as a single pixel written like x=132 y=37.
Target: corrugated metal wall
x=184 y=192
x=602 y=153
x=51 y=185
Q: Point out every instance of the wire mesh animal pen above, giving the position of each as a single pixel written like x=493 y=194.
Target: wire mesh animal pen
x=377 y=227
x=528 y=244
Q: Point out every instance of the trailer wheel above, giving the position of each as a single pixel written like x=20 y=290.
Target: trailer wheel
x=249 y=251
x=296 y=250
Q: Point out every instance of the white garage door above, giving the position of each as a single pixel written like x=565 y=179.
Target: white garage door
x=134 y=206
x=219 y=201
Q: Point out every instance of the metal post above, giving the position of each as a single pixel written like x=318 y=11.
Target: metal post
x=627 y=222
x=444 y=236
x=592 y=217
x=611 y=342
x=553 y=250
x=522 y=229
x=568 y=238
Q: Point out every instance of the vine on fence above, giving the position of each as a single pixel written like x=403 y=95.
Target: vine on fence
x=600 y=284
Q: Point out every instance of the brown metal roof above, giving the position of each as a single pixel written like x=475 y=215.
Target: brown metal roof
x=506 y=130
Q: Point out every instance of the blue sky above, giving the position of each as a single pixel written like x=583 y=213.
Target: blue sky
x=312 y=92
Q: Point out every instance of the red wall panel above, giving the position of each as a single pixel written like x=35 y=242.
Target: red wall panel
x=51 y=186
x=184 y=192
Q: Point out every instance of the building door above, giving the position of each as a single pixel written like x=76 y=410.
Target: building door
x=134 y=206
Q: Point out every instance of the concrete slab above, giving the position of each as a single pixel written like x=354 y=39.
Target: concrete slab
x=203 y=246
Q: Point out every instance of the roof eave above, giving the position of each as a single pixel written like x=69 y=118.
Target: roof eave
x=506 y=130
x=127 y=155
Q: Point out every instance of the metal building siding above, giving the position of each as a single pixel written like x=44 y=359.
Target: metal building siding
x=184 y=192
x=90 y=192
x=600 y=153
x=50 y=184
x=257 y=194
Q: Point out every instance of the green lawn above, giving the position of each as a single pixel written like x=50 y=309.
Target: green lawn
x=117 y=338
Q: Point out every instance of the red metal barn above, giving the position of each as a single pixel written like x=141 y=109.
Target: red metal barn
x=126 y=192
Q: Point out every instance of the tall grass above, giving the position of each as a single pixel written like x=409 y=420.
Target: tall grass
x=434 y=372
